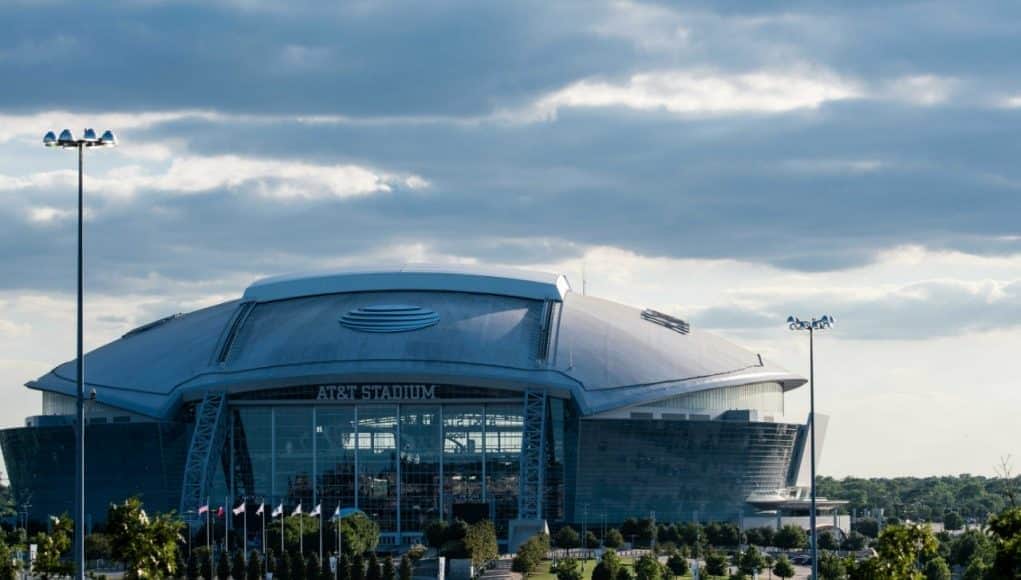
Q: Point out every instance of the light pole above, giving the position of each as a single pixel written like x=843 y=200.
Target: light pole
x=811 y=326
x=68 y=141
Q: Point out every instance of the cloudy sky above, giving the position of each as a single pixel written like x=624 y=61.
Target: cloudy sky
x=729 y=162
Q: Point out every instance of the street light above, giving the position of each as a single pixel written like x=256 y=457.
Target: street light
x=811 y=326
x=66 y=140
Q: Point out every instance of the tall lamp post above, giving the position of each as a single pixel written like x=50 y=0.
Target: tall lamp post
x=68 y=141
x=811 y=326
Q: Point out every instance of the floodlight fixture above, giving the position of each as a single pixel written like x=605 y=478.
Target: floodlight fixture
x=66 y=140
x=821 y=323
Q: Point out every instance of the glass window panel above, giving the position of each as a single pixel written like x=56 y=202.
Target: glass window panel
x=293 y=475
x=335 y=456
x=421 y=437
x=377 y=464
x=462 y=455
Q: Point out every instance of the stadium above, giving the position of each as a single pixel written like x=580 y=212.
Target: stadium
x=419 y=393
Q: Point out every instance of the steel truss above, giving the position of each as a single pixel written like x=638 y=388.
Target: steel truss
x=207 y=443
x=533 y=445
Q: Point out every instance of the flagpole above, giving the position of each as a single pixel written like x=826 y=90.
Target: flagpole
x=301 y=535
x=282 y=517
x=262 y=506
x=226 y=524
x=209 y=545
x=320 y=534
x=244 y=540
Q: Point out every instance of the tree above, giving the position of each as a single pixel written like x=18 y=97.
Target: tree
x=1006 y=531
x=591 y=541
x=677 y=564
x=360 y=534
x=723 y=534
x=783 y=567
x=237 y=565
x=716 y=563
x=648 y=568
x=283 y=566
x=624 y=574
x=752 y=561
x=900 y=548
x=406 y=570
x=205 y=560
x=8 y=569
x=937 y=569
x=867 y=526
x=191 y=571
x=270 y=562
x=854 y=541
x=613 y=538
x=48 y=561
x=325 y=572
x=436 y=533
x=629 y=528
x=388 y=569
x=567 y=538
x=480 y=542
x=344 y=568
x=372 y=565
x=977 y=570
x=762 y=536
x=953 y=521
x=254 y=569
x=607 y=567
x=646 y=531
x=790 y=537
x=146 y=545
x=313 y=568
x=453 y=541
x=828 y=541
x=357 y=567
x=530 y=553
x=298 y=567
x=567 y=569
x=831 y=567
x=223 y=567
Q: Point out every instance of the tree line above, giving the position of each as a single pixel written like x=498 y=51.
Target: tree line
x=924 y=499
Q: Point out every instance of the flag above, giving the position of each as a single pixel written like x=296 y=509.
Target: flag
x=278 y=511
x=220 y=512
x=203 y=509
x=239 y=510
x=317 y=511
x=336 y=512
x=297 y=511
x=262 y=508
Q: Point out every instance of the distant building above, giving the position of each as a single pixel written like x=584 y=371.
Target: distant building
x=419 y=393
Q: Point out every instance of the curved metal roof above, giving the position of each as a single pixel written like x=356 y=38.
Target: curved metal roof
x=492 y=328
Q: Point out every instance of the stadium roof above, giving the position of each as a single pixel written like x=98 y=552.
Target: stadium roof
x=484 y=327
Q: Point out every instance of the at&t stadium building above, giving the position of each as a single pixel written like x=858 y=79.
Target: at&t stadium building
x=420 y=393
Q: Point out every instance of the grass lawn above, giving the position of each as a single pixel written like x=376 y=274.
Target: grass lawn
x=543 y=572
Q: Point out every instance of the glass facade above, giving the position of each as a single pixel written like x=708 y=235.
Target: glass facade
x=124 y=459
x=765 y=397
x=403 y=464
x=409 y=463
x=684 y=470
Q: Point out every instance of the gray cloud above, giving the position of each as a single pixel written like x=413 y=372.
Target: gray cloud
x=421 y=92
x=921 y=310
